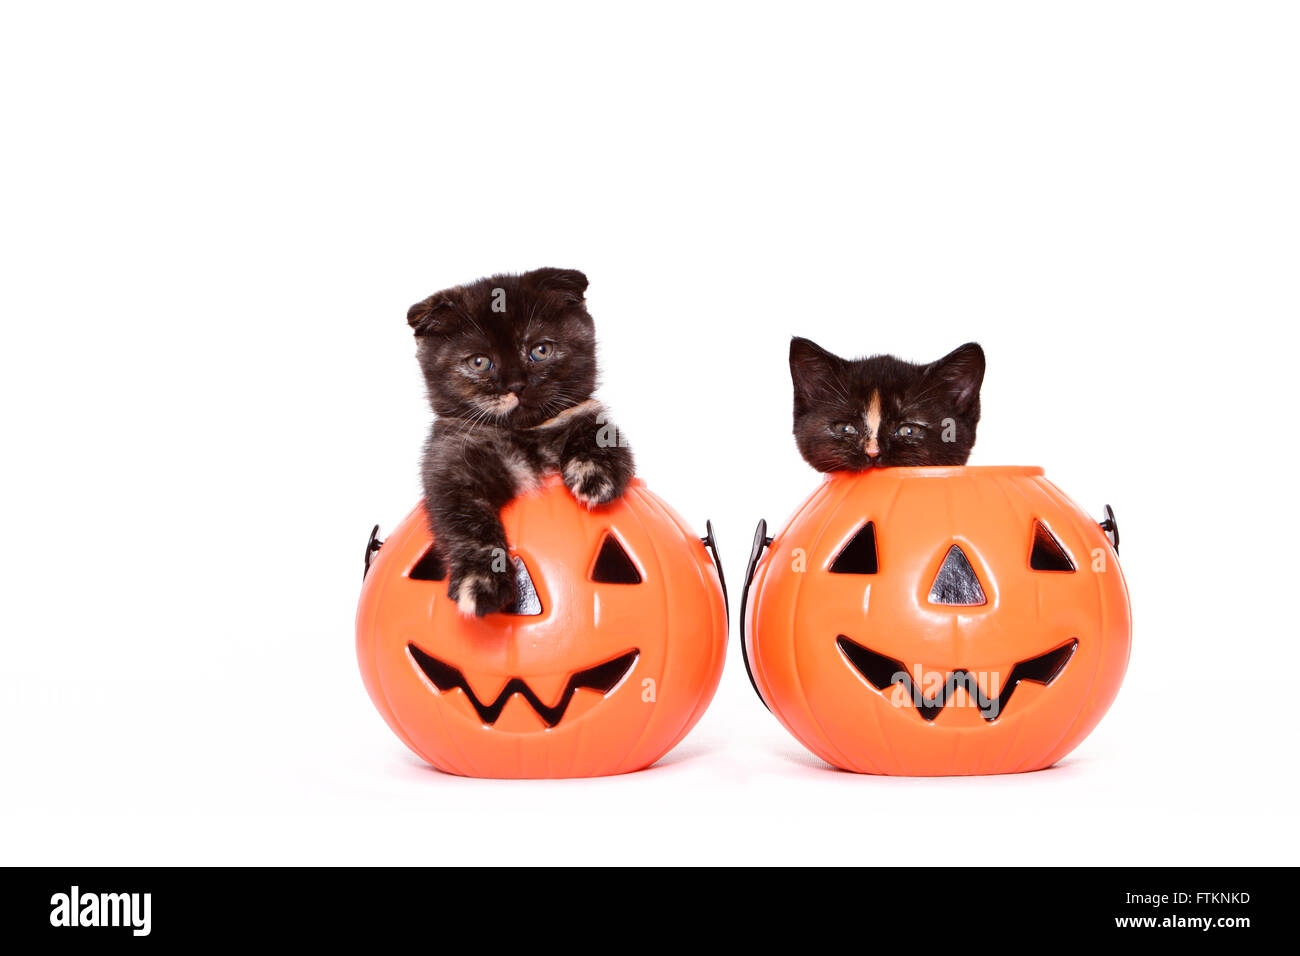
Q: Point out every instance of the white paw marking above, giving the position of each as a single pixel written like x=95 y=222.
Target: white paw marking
x=602 y=494
x=465 y=602
x=576 y=471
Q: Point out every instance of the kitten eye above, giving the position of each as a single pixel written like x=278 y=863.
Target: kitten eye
x=844 y=428
x=541 y=351
x=910 y=430
x=479 y=363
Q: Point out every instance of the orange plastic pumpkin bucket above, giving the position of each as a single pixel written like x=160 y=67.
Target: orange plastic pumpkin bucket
x=612 y=653
x=932 y=621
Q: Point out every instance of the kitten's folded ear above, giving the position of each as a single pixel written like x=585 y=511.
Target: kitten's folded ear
x=569 y=282
x=960 y=372
x=436 y=314
x=811 y=370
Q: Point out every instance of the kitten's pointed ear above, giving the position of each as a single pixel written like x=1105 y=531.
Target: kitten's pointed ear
x=960 y=373
x=811 y=368
x=569 y=282
x=436 y=314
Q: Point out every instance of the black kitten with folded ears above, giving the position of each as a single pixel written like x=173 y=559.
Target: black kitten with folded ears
x=856 y=414
x=510 y=366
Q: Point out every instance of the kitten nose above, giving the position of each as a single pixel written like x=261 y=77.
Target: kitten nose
x=517 y=386
x=872 y=449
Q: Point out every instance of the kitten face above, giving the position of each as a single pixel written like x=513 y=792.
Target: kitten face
x=510 y=349
x=851 y=415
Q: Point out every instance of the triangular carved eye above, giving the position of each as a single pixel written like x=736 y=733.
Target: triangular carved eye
x=526 y=600
x=429 y=568
x=613 y=565
x=956 y=584
x=1047 y=553
x=859 y=555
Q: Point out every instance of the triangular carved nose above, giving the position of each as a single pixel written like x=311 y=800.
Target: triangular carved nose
x=956 y=584
x=526 y=599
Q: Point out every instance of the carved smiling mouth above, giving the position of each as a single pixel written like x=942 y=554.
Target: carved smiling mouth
x=882 y=672
x=602 y=678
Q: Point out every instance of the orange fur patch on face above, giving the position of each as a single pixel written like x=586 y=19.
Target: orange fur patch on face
x=873 y=415
x=872 y=444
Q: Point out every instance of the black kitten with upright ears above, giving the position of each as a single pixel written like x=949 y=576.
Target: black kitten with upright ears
x=855 y=414
x=510 y=366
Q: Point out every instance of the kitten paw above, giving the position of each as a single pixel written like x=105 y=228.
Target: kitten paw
x=484 y=590
x=590 y=483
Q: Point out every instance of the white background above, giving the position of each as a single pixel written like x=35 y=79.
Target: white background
x=215 y=216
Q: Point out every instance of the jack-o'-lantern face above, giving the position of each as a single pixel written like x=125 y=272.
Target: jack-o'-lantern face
x=956 y=584
x=939 y=620
x=616 y=632
x=610 y=565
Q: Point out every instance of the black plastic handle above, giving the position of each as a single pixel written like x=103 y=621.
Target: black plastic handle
x=1111 y=527
x=372 y=548
x=711 y=543
x=761 y=541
